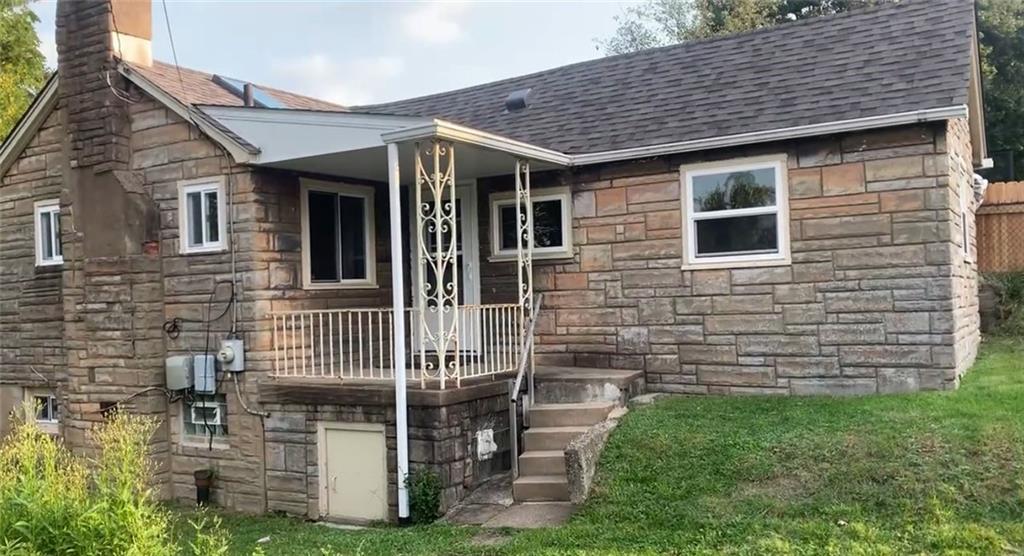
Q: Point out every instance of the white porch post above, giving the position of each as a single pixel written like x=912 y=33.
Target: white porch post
x=398 y=338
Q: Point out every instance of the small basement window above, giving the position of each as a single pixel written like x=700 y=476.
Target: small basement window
x=337 y=235
x=205 y=416
x=47 y=226
x=552 y=224
x=46 y=408
x=202 y=216
x=735 y=213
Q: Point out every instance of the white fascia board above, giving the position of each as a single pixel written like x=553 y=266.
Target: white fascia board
x=29 y=124
x=828 y=128
x=462 y=134
x=288 y=134
x=239 y=153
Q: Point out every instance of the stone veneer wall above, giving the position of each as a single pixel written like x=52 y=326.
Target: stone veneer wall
x=442 y=437
x=31 y=304
x=877 y=298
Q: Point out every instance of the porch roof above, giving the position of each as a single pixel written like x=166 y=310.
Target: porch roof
x=351 y=144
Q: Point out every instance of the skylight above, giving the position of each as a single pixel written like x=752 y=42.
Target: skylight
x=259 y=96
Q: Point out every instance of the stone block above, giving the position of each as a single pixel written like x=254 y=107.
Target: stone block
x=813 y=272
x=777 y=344
x=858 y=301
x=920 y=232
x=907 y=322
x=852 y=334
x=733 y=304
x=762 y=275
x=650 y=249
x=708 y=354
x=610 y=201
x=804 y=314
x=653 y=193
x=795 y=293
x=657 y=311
x=711 y=282
x=803 y=367
x=595 y=257
x=898 y=381
x=662 y=277
x=847 y=226
x=887 y=355
x=693 y=305
x=881 y=257
x=744 y=324
x=843 y=179
x=633 y=339
x=677 y=334
x=735 y=375
x=900 y=201
x=584 y=204
x=894 y=168
x=805 y=183
x=832 y=386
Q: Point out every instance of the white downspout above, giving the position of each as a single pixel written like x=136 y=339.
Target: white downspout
x=398 y=309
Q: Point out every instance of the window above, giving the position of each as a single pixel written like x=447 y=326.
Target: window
x=337 y=235
x=735 y=213
x=47 y=410
x=205 y=416
x=48 y=247
x=202 y=216
x=552 y=224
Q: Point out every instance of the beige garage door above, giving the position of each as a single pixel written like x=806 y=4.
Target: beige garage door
x=353 y=471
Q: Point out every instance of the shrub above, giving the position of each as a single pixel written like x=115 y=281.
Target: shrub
x=54 y=502
x=424 y=495
x=1009 y=287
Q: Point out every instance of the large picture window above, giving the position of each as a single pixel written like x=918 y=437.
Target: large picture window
x=47 y=226
x=552 y=224
x=735 y=213
x=337 y=235
x=202 y=216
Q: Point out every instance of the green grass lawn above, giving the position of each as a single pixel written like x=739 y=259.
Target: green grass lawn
x=932 y=473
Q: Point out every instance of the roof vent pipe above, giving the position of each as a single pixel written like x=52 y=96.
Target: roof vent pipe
x=518 y=100
x=247 y=95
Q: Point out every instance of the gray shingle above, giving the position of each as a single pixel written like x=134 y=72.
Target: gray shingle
x=884 y=60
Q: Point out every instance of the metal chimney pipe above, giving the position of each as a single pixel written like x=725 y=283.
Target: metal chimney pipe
x=247 y=95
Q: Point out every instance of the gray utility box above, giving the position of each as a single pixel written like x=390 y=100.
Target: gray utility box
x=205 y=380
x=179 y=372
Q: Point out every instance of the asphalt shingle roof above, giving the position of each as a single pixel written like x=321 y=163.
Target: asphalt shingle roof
x=884 y=60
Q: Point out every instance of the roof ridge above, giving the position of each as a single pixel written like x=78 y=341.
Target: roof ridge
x=817 y=20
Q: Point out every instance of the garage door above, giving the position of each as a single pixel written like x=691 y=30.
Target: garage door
x=353 y=471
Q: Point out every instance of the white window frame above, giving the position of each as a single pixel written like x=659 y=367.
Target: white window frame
x=51 y=426
x=507 y=198
x=51 y=207
x=202 y=186
x=965 y=230
x=781 y=211
x=369 y=233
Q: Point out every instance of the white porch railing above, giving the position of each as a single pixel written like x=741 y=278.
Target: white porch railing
x=356 y=344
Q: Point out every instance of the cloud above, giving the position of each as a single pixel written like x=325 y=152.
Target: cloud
x=355 y=81
x=435 y=22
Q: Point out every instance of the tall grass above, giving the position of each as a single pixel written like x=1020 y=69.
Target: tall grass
x=1009 y=287
x=56 y=502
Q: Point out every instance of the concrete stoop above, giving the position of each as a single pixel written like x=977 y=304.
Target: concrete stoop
x=569 y=400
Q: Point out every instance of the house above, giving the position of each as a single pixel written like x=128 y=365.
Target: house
x=786 y=211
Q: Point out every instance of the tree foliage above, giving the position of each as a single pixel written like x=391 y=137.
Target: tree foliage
x=1000 y=25
x=22 y=66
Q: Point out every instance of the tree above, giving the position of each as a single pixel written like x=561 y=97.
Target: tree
x=22 y=66
x=1000 y=32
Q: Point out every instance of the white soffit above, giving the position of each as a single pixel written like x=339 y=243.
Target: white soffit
x=291 y=134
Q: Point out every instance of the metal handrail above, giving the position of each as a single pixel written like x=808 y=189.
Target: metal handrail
x=515 y=385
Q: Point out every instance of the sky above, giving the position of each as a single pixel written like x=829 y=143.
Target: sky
x=367 y=52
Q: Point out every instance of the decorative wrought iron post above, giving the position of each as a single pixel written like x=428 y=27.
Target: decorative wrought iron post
x=437 y=270
x=524 y=256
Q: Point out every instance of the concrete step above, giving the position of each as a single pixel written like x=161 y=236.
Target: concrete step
x=550 y=438
x=569 y=414
x=542 y=462
x=540 y=488
x=560 y=384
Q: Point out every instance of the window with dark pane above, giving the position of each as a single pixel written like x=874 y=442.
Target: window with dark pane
x=547 y=223
x=509 y=229
x=46 y=409
x=195 y=218
x=46 y=234
x=353 y=237
x=323 y=237
x=212 y=218
x=740 y=235
x=734 y=190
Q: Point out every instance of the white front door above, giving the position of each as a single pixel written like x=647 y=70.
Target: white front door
x=467 y=251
